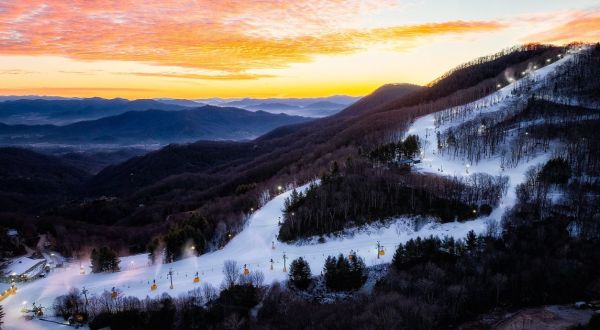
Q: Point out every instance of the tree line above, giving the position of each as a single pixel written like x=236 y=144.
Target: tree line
x=363 y=194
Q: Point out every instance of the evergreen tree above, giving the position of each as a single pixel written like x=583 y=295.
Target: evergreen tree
x=104 y=260
x=410 y=146
x=193 y=230
x=300 y=274
x=330 y=271
x=471 y=241
x=343 y=273
x=357 y=271
x=556 y=171
x=399 y=257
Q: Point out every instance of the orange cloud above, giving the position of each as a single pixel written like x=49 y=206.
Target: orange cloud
x=226 y=36
x=69 y=90
x=231 y=76
x=580 y=26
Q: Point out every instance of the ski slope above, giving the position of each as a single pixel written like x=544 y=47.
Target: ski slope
x=253 y=246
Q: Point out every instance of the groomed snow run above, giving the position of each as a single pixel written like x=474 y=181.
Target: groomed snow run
x=253 y=246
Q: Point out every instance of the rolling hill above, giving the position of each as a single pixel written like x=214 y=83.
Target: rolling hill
x=153 y=127
x=301 y=152
x=30 y=181
x=64 y=111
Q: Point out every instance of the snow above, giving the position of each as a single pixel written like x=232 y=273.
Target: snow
x=253 y=246
x=21 y=265
x=432 y=162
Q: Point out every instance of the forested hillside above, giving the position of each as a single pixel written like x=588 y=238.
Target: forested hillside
x=179 y=179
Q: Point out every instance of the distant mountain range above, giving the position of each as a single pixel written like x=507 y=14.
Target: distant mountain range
x=152 y=126
x=56 y=110
x=306 y=107
x=65 y=111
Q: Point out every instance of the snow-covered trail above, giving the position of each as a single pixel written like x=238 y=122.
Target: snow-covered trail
x=433 y=162
x=253 y=246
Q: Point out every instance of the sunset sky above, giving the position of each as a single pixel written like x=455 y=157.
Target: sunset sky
x=263 y=48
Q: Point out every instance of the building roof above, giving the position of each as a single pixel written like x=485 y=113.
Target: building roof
x=21 y=265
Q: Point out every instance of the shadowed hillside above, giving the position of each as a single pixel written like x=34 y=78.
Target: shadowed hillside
x=31 y=181
x=172 y=180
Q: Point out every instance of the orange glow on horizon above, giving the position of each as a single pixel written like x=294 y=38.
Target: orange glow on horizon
x=238 y=48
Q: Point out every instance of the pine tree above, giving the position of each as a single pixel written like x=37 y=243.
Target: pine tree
x=330 y=271
x=471 y=241
x=343 y=273
x=410 y=146
x=357 y=272
x=399 y=257
x=300 y=274
x=104 y=260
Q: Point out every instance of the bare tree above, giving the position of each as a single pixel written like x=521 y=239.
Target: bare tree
x=257 y=279
x=209 y=292
x=231 y=271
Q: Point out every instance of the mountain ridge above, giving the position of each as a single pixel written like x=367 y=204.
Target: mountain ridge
x=154 y=126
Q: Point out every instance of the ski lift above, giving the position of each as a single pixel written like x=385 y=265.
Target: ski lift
x=153 y=287
x=114 y=294
x=246 y=271
x=196 y=279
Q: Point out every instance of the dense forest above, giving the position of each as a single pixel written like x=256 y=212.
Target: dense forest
x=433 y=282
x=361 y=193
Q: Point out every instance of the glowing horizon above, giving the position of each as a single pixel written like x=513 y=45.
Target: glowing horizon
x=266 y=48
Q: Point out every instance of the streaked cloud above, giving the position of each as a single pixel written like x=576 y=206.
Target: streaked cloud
x=226 y=36
x=230 y=76
x=581 y=26
x=262 y=48
x=70 y=90
x=15 y=72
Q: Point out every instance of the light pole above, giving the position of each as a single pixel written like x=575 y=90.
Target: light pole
x=378 y=249
x=171 y=277
x=284 y=262
x=84 y=291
